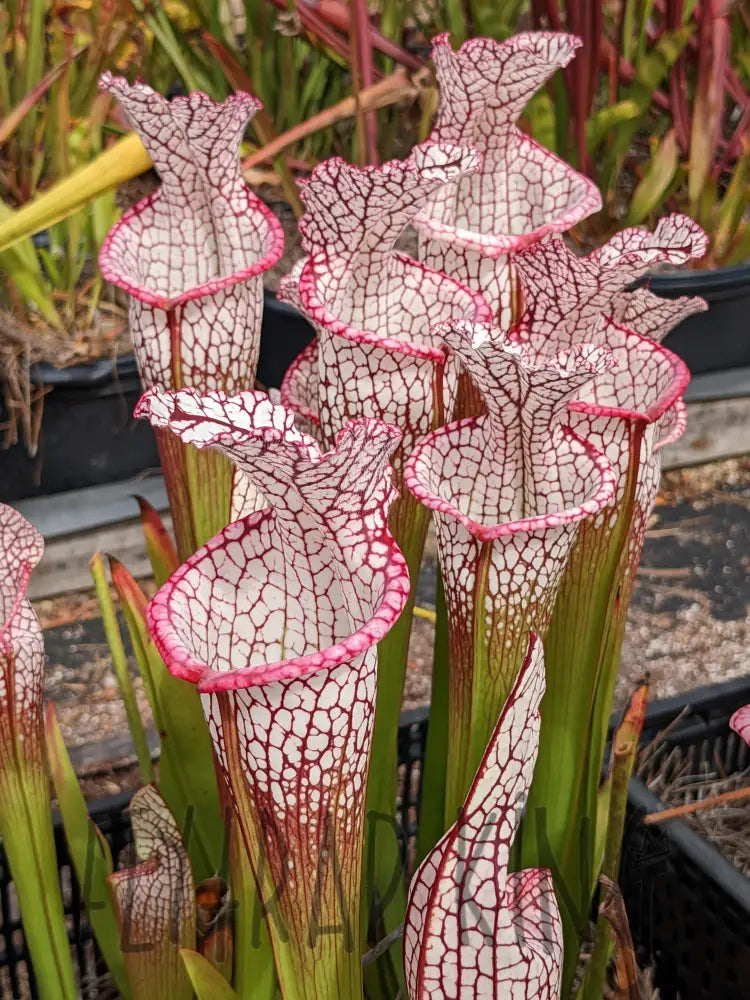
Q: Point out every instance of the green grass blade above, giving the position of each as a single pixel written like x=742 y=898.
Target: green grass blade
x=254 y=970
x=648 y=196
x=208 y=983
x=28 y=841
x=120 y=667
x=89 y=852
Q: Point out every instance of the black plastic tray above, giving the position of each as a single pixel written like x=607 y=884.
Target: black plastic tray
x=88 y=435
x=689 y=908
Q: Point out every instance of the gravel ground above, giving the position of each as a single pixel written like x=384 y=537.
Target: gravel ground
x=688 y=623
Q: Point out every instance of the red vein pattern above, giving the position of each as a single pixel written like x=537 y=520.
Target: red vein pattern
x=155 y=902
x=509 y=490
x=522 y=192
x=191 y=255
x=636 y=408
x=638 y=403
x=373 y=307
x=25 y=812
x=374 y=310
x=276 y=620
x=568 y=297
x=299 y=390
x=629 y=413
x=21 y=643
x=740 y=723
x=472 y=929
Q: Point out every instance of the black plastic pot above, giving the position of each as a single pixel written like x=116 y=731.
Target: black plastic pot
x=88 y=434
x=720 y=337
x=285 y=334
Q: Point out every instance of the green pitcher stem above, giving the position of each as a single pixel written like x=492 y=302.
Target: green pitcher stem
x=172 y=458
x=623 y=759
x=383 y=882
x=254 y=973
x=434 y=768
x=209 y=483
x=582 y=655
x=26 y=831
x=382 y=850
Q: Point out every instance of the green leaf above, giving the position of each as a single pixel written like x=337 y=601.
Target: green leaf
x=601 y=123
x=120 y=667
x=646 y=11
x=51 y=267
x=161 y=550
x=648 y=196
x=34 y=63
x=653 y=69
x=650 y=74
x=624 y=750
x=120 y=162
x=254 y=970
x=733 y=207
x=31 y=287
x=208 y=983
x=89 y=851
x=28 y=841
x=494 y=20
x=383 y=868
x=24 y=250
x=603 y=799
x=432 y=823
x=540 y=117
x=740 y=250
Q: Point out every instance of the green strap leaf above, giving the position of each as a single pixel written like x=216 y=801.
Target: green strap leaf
x=89 y=852
x=208 y=982
x=649 y=194
x=120 y=667
x=162 y=553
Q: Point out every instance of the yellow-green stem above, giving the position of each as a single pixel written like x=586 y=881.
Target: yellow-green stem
x=622 y=767
x=254 y=975
x=558 y=830
x=26 y=831
x=383 y=878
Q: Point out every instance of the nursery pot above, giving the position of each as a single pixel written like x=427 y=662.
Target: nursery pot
x=88 y=434
x=285 y=334
x=720 y=337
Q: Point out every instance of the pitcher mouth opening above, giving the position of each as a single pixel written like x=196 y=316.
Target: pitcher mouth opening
x=319 y=312
x=138 y=287
x=601 y=494
x=183 y=661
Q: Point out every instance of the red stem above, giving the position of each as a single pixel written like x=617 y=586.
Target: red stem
x=361 y=39
x=323 y=20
